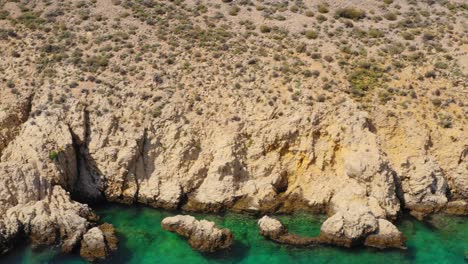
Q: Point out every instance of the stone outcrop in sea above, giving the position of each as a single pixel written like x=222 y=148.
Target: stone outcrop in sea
x=358 y=227
x=202 y=235
x=98 y=242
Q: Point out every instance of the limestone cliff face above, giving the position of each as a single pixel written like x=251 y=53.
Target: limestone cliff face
x=332 y=159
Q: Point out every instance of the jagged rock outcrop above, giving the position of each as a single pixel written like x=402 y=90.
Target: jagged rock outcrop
x=459 y=207
x=202 y=235
x=18 y=110
x=98 y=242
x=347 y=229
x=359 y=226
x=36 y=168
x=273 y=229
x=9 y=234
x=325 y=163
x=387 y=236
x=425 y=190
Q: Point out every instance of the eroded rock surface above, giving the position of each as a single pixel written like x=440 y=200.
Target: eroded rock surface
x=98 y=242
x=167 y=120
x=387 y=236
x=202 y=235
x=358 y=226
x=273 y=229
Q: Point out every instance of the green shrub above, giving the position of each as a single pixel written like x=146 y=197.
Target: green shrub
x=233 y=11
x=375 y=33
x=323 y=8
x=4 y=14
x=390 y=16
x=265 y=29
x=96 y=62
x=363 y=80
x=311 y=34
x=53 y=155
x=429 y=36
x=407 y=35
x=441 y=65
x=309 y=13
x=31 y=20
x=321 y=18
x=351 y=13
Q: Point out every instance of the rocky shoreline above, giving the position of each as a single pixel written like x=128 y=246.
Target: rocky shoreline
x=53 y=157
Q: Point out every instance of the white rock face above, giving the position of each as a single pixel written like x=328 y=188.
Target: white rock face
x=93 y=245
x=329 y=159
x=270 y=227
x=35 y=169
x=387 y=236
x=202 y=235
x=426 y=189
x=98 y=242
x=350 y=227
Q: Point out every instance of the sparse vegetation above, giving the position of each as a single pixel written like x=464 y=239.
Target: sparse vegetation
x=351 y=13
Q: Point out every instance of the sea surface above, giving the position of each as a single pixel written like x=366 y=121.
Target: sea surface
x=444 y=239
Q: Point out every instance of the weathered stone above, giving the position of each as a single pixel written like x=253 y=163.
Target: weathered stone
x=98 y=242
x=273 y=229
x=202 y=235
x=459 y=207
x=387 y=236
x=349 y=228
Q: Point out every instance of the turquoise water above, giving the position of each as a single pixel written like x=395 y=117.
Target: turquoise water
x=142 y=240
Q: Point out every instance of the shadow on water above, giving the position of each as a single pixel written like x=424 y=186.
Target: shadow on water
x=236 y=254
x=123 y=254
x=142 y=240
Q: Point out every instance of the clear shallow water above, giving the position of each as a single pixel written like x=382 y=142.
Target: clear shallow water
x=142 y=240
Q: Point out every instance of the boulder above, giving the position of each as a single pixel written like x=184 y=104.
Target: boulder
x=387 y=236
x=459 y=207
x=349 y=228
x=270 y=227
x=359 y=226
x=202 y=235
x=98 y=242
x=273 y=229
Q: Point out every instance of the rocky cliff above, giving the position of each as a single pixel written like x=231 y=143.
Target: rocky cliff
x=233 y=131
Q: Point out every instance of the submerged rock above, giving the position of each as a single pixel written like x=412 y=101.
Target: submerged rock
x=270 y=227
x=98 y=242
x=202 y=235
x=273 y=229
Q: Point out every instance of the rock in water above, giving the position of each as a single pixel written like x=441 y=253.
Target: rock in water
x=358 y=226
x=270 y=227
x=202 y=235
x=348 y=228
x=387 y=236
x=273 y=229
x=98 y=242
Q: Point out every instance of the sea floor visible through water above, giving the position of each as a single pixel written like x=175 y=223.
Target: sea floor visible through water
x=444 y=239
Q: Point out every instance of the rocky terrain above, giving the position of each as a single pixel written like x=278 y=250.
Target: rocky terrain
x=356 y=109
x=98 y=242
